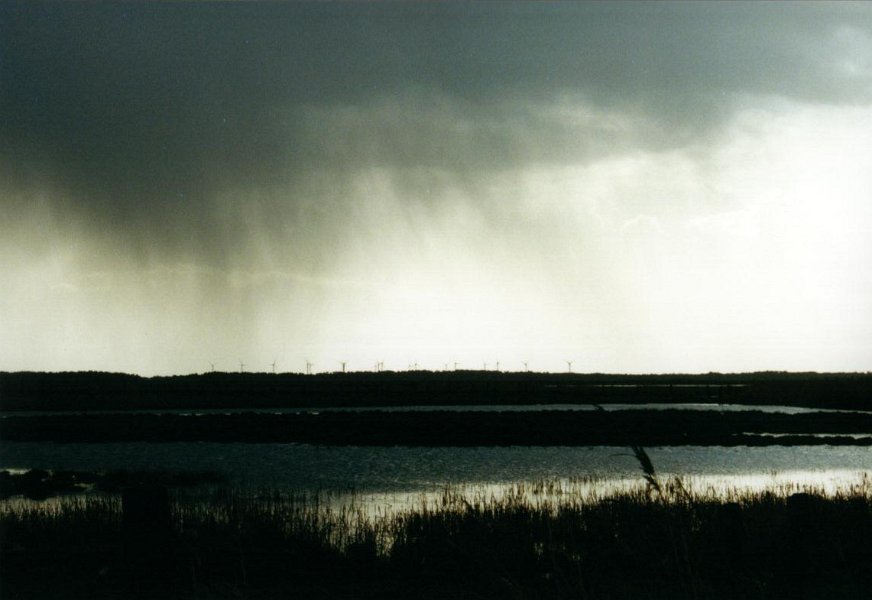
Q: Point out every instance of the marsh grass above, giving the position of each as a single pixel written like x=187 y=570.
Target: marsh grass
x=547 y=539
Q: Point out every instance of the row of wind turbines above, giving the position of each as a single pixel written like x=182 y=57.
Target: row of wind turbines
x=380 y=366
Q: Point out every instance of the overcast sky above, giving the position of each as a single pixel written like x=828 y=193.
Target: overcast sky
x=646 y=187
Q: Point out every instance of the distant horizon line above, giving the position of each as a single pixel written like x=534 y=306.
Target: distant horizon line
x=446 y=371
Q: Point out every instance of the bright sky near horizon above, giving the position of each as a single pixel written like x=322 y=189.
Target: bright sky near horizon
x=633 y=187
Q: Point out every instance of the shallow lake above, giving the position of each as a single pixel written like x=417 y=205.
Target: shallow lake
x=413 y=470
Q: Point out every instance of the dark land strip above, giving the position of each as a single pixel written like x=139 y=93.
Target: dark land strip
x=452 y=428
x=80 y=391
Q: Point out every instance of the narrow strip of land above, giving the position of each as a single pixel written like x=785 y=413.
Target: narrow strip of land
x=118 y=392
x=452 y=428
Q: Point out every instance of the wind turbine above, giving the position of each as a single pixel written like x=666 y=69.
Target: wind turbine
x=569 y=364
x=342 y=362
x=309 y=367
x=213 y=366
x=241 y=366
x=526 y=366
x=274 y=367
x=498 y=366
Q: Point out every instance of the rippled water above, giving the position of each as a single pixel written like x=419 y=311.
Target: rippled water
x=409 y=470
x=402 y=470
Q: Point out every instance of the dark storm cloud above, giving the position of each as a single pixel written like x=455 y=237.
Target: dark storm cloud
x=142 y=113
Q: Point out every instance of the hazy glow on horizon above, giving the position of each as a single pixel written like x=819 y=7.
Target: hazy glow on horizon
x=433 y=230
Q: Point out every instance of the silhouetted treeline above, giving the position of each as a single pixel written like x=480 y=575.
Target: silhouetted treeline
x=453 y=428
x=80 y=391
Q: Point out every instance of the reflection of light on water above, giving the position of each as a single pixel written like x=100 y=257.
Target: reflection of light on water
x=16 y=471
x=345 y=514
x=850 y=436
x=556 y=493
x=421 y=469
x=824 y=482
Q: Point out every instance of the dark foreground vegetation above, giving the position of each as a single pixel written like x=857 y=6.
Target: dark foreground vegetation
x=659 y=543
x=452 y=428
x=115 y=391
